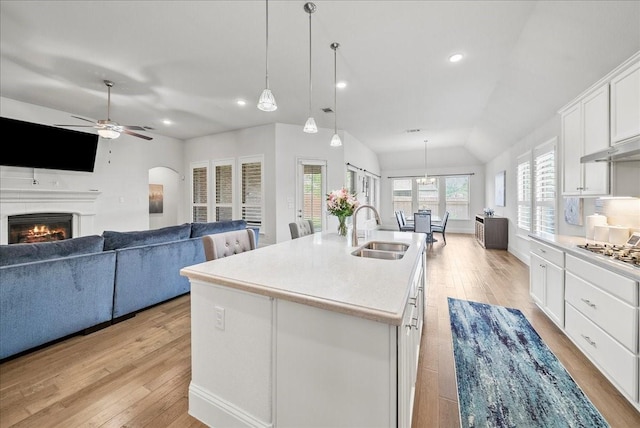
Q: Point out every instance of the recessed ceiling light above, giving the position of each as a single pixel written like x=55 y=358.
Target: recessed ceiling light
x=241 y=102
x=455 y=57
x=167 y=122
x=341 y=85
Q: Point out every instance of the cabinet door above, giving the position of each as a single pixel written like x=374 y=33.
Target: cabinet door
x=595 y=137
x=625 y=104
x=554 y=293
x=572 y=151
x=536 y=279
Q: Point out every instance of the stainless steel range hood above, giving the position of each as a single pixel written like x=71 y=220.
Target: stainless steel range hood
x=622 y=152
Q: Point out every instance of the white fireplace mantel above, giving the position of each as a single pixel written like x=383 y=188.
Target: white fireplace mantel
x=80 y=203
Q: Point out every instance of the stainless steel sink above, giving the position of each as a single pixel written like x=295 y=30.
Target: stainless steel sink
x=378 y=254
x=386 y=246
x=382 y=250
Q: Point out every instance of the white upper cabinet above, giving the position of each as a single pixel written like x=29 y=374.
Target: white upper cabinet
x=625 y=104
x=585 y=130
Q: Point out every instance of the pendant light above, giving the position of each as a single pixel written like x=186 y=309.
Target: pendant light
x=335 y=140
x=310 y=126
x=267 y=102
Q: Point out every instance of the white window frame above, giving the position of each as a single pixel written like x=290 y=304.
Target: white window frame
x=538 y=151
x=244 y=160
x=214 y=205
x=524 y=194
x=193 y=166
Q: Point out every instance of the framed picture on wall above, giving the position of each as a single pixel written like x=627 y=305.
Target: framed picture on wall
x=500 y=188
x=156 y=198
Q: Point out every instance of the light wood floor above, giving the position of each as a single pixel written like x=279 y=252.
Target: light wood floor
x=136 y=373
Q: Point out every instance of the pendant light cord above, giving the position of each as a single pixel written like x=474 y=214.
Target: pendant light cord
x=310 y=77
x=335 y=46
x=266 y=78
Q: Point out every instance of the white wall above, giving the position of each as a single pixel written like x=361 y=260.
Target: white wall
x=121 y=170
x=172 y=198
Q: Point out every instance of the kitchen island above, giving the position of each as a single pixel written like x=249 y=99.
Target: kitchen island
x=304 y=333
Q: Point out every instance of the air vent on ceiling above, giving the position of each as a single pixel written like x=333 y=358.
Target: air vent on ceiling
x=411 y=131
x=327 y=110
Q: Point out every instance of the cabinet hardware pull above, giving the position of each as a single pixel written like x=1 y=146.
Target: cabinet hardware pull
x=542 y=250
x=588 y=339
x=543 y=266
x=588 y=302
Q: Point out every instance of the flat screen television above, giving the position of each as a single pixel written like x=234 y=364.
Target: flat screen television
x=33 y=145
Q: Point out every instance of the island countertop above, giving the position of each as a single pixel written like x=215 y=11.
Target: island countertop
x=319 y=270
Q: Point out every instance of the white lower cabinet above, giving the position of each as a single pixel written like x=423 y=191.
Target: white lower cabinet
x=602 y=316
x=547 y=280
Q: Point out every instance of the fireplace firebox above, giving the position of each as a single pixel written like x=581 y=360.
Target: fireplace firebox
x=39 y=227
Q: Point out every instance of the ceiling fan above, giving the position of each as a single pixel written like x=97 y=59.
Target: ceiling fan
x=107 y=128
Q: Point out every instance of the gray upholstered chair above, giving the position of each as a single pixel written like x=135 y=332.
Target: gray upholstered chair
x=422 y=223
x=402 y=226
x=440 y=228
x=226 y=244
x=301 y=228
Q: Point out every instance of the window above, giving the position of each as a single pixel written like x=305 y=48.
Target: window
x=313 y=194
x=199 y=195
x=251 y=191
x=537 y=186
x=223 y=188
x=439 y=194
x=457 y=197
x=524 y=192
x=545 y=189
x=352 y=180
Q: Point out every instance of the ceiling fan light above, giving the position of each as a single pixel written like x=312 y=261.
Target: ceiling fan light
x=310 y=126
x=108 y=134
x=267 y=102
x=336 y=141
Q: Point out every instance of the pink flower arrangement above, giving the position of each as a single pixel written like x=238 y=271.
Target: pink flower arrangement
x=341 y=203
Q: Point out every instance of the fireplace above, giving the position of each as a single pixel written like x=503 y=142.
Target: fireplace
x=39 y=227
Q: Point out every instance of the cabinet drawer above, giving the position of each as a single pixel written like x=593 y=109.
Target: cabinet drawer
x=614 y=316
x=547 y=252
x=612 y=358
x=624 y=288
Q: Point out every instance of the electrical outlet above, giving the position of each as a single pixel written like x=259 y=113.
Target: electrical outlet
x=219 y=317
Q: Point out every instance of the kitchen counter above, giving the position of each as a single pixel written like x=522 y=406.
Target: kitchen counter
x=569 y=244
x=319 y=270
x=282 y=333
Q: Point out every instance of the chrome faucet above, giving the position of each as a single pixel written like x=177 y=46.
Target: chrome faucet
x=354 y=233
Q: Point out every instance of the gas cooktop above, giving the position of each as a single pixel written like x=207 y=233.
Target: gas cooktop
x=628 y=255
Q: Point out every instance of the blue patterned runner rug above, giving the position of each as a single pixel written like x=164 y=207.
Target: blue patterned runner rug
x=508 y=377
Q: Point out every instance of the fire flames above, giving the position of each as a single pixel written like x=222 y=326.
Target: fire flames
x=42 y=233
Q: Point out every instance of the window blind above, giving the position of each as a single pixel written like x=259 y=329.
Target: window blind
x=545 y=191
x=224 y=192
x=199 y=210
x=252 y=193
x=524 y=194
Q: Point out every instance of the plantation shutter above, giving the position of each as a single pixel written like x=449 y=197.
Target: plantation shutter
x=545 y=190
x=252 y=193
x=199 y=208
x=524 y=192
x=224 y=192
x=313 y=197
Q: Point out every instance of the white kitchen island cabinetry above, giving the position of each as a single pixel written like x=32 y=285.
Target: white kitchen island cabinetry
x=546 y=280
x=303 y=333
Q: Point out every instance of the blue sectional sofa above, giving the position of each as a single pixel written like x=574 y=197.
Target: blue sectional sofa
x=51 y=290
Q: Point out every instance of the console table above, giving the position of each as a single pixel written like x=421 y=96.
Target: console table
x=492 y=231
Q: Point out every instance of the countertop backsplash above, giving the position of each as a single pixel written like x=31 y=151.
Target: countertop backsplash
x=620 y=212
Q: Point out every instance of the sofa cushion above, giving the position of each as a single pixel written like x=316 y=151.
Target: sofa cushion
x=24 y=253
x=114 y=240
x=201 y=229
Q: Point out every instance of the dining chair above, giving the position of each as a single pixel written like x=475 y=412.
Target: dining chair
x=440 y=228
x=422 y=224
x=301 y=228
x=225 y=244
x=402 y=226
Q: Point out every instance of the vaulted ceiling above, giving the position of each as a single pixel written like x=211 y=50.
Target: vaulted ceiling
x=190 y=61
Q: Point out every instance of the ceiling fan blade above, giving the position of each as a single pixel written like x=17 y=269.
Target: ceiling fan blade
x=82 y=118
x=133 y=127
x=75 y=126
x=135 y=134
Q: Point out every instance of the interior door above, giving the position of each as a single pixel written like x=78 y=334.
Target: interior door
x=311 y=191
